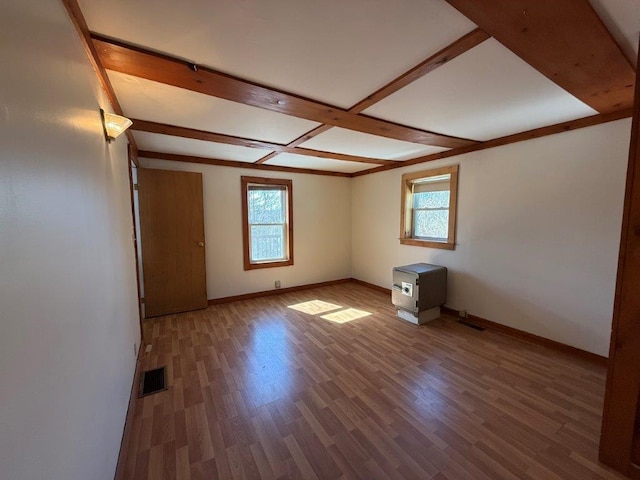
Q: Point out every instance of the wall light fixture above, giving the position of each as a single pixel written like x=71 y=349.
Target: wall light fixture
x=113 y=125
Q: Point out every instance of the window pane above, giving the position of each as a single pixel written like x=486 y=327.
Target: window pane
x=431 y=199
x=431 y=223
x=426 y=216
x=267 y=242
x=266 y=206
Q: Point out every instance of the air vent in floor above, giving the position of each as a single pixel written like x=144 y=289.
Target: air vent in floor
x=153 y=381
x=471 y=325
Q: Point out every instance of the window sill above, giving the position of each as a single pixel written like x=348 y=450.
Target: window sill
x=427 y=243
x=255 y=266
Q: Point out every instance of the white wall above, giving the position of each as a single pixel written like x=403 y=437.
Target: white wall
x=538 y=233
x=321 y=222
x=68 y=315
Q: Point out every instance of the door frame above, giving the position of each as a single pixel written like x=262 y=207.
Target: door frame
x=132 y=159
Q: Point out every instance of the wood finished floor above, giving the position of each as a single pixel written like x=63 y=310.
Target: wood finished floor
x=260 y=390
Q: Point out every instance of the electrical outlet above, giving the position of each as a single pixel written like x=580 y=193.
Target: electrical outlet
x=463 y=314
x=148 y=349
x=277 y=283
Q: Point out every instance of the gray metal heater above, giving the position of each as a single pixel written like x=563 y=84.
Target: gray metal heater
x=419 y=290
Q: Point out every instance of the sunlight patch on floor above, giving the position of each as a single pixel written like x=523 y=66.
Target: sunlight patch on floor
x=314 y=307
x=317 y=307
x=345 y=316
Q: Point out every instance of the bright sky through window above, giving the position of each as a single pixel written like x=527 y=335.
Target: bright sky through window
x=428 y=208
x=431 y=215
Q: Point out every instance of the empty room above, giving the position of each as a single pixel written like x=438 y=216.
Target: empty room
x=306 y=239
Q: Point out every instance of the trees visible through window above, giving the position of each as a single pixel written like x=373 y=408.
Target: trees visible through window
x=267 y=212
x=428 y=208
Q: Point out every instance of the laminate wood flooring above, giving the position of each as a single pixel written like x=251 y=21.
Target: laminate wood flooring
x=330 y=384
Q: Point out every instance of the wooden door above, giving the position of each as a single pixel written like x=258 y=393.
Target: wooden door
x=172 y=240
x=620 y=440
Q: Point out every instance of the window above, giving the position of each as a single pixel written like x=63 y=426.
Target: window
x=428 y=209
x=267 y=231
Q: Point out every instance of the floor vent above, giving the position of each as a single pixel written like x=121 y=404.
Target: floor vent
x=153 y=381
x=471 y=325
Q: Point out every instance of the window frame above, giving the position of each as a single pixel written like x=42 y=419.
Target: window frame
x=246 y=243
x=407 y=214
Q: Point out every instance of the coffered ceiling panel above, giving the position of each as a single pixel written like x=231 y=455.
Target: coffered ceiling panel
x=335 y=52
x=340 y=140
x=302 y=161
x=486 y=93
x=154 y=142
x=147 y=100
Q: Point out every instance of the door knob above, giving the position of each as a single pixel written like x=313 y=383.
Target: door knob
x=201 y=244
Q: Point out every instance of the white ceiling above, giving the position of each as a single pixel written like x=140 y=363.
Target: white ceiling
x=341 y=140
x=187 y=146
x=147 y=100
x=303 y=161
x=487 y=104
x=337 y=53
x=622 y=18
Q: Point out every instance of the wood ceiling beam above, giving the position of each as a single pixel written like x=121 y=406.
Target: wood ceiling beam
x=566 y=41
x=457 y=48
x=77 y=18
x=620 y=437
x=309 y=135
x=230 y=163
x=269 y=156
x=444 y=56
x=515 y=138
x=179 y=73
x=184 y=132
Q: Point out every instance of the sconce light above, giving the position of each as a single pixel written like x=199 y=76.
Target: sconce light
x=113 y=125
